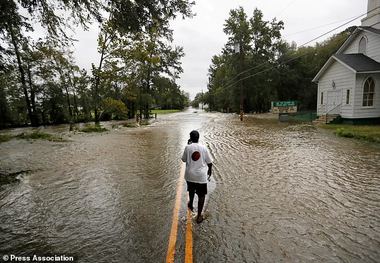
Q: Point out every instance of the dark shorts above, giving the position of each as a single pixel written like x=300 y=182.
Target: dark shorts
x=200 y=189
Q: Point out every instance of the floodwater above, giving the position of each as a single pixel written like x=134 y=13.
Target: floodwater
x=279 y=193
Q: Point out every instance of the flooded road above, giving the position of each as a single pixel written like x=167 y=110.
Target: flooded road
x=279 y=193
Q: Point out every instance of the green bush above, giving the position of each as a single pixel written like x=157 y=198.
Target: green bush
x=114 y=109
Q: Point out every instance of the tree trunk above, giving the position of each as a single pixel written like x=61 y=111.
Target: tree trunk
x=32 y=95
x=22 y=76
x=147 y=87
x=97 y=79
x=75 y=105
x=96 y=88
x=74 y=96
x=69 y=105
x=64 y=83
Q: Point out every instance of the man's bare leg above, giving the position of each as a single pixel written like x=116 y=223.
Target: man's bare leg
x=191 y=199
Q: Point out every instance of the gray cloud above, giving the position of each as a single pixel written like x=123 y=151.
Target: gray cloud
x=202 y=36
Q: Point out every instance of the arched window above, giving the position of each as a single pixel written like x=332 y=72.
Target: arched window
x=363 y=46
x=368 y=92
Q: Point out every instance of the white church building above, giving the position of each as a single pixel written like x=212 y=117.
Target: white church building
x=349 y=82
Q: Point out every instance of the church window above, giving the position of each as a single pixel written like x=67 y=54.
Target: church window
x=321 y=97
x=368 y=92
x=363 y=46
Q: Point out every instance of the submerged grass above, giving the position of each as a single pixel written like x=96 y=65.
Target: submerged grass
x=164 y=111
x=361 y=132
x=38 y=135
x=11 y=177
x=144 y=122
x=130 y=125
x=5 y=137
x=93 y=128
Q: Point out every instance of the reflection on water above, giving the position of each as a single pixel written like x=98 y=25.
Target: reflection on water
x=280 y=192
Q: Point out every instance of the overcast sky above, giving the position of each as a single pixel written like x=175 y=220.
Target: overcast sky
x=202 y=36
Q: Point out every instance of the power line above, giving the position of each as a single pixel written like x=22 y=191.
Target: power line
x=328 y=32
x=311 y=29
x=357 y=17
x=237 y=81
x=285 y=8
x=332 y=23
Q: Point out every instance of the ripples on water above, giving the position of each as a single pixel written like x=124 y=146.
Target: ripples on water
x=290 y=193
x=283 y=192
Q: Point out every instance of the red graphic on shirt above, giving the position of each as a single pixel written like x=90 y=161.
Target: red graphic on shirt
x=195 y=156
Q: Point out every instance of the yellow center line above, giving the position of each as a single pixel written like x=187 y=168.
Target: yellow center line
x=189 y=238
x=173 y=232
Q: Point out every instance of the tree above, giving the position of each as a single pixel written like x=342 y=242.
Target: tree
x=114 y=109
x=5 y=114
x=238 y=29
x=234 y=81
x=298 y=66
x=266 y=68
x=132 y=61
x=13 y=25
x=221 y=74
x=55 y=16
x=153 y=57
x=199 y=98
x=167 y=94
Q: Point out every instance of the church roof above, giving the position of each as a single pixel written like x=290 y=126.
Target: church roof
x=355 y=33
x=370 y=29
x=358 y=62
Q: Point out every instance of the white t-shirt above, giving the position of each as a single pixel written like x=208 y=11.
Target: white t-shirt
x=196 y=157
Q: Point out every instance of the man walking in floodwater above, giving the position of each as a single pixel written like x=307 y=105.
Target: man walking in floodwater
x=198 y=167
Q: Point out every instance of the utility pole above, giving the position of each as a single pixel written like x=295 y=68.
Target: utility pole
x=238 y=49
x=202 y=99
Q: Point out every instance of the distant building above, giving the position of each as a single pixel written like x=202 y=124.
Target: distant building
x=349 y=82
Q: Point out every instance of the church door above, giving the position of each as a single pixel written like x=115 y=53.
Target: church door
x=334 y=100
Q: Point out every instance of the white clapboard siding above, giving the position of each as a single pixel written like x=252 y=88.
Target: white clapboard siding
x=373 y=45
x=359 y=110
x=344 y=79
x=347 y=109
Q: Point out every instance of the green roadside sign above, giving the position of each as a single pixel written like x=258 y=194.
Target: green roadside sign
x=284 y=106
x=290 y=103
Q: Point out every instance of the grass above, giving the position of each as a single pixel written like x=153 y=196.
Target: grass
x=303 y=116
x=164 y=111
x=361 y=132
x=38 y=135
x=130 y=124
x=11 y=177
x=144 y=122
x=93 y=128
x=5 y=137
x=135 y=124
